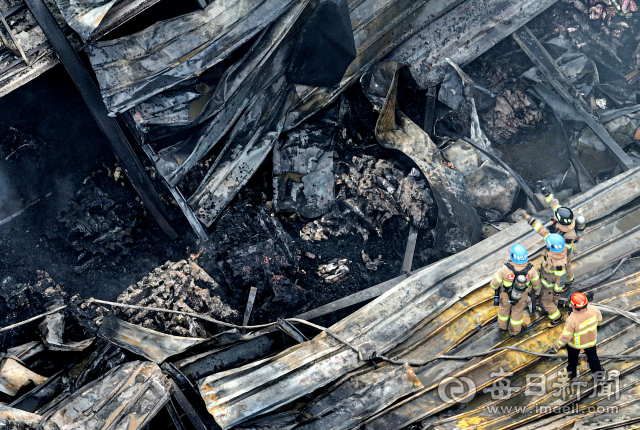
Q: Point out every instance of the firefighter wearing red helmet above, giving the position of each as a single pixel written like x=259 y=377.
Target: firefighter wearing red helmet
x=580 y=332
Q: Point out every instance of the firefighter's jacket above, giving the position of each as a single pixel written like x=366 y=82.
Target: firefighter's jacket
x=553 y=268
x=506 y=277
x=567 y=231
x=581 y=329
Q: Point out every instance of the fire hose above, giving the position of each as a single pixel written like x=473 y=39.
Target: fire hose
x=359 y=350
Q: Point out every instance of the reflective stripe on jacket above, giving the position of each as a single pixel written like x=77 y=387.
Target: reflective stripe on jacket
x=554 y=264
x=567 y=231
x=581 y=329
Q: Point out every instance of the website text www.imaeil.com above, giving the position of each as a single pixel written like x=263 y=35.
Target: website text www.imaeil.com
x=557 y=388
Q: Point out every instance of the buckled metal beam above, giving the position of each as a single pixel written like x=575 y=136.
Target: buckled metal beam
x=547 y=65
x=109 y=126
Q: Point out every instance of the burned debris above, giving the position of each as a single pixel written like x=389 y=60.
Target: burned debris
x=369 y=192
x=99 y=225
x=351 y=175
x=15 y=376
x=303 y=167
x=181 y=286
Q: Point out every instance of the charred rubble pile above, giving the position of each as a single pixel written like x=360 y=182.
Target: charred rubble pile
x=308 y=191
x=372 y=191
x=181 y=286
x=594 y=45
x=99 y=223
x=20 y=301
x=105 y=222
x=56 y=349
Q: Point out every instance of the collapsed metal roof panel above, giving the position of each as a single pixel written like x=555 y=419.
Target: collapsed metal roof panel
x=462 y=35
x=143 y=341
x=41 y=56
x=428 y=402
x=128 y=396
x=240 y=394
x=18 y=419
x=378 y=29
x=250 y=143
x=240 y=88
x=458 y=225
x=133 y=68
x=375 y=36
x=617 y=335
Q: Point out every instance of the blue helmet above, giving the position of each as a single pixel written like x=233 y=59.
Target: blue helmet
x=555 y=242
x=519 y=254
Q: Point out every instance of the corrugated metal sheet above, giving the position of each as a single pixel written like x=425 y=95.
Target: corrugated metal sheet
x=240 y=394
x=127 y=397
x=133 y=68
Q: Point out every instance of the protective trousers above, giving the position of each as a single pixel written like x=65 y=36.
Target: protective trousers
x=511 y=315
x=549 y=298
x=592 y=359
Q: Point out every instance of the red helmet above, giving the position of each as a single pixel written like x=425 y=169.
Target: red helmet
x=579 y=300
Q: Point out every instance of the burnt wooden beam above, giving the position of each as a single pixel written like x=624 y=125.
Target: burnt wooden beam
x=547 y=65
x=109 y=126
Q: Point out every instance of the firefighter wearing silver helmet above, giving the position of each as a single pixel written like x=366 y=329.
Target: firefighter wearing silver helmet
x=512 y=285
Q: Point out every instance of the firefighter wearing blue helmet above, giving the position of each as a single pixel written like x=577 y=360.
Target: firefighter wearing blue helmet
x=566 y=225
x=512 y=285
x=553 y=270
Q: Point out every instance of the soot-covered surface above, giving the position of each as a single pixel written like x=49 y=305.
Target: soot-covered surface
x=92 y=235
x=69 y=148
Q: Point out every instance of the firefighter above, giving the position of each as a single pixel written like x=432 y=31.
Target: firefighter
x=580 y=332
x=512 y=284
x=567 y=226
x=553 y=270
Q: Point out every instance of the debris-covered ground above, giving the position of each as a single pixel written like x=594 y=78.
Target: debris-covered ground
x=298 y=216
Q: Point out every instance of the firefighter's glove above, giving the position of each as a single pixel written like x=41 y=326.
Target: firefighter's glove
x=552 y=350
x=496 y=298
x=539 y=187
x=564 y=304
x=545 y=192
